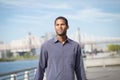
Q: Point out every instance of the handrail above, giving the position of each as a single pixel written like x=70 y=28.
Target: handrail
x=15 y=74
x=17 y=71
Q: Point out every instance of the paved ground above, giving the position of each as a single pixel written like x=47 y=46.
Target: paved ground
x=100 y=73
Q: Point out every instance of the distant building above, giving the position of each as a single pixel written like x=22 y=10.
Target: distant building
x=46 y=37
x=2 y=50
x=49 y=35
x=3 y=54
x=27 y=44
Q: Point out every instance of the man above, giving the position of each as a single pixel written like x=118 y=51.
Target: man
x=60 y=57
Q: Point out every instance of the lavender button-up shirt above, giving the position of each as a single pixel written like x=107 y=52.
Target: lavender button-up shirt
x=60 y=61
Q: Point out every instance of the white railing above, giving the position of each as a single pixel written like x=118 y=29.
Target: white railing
x=25 y=74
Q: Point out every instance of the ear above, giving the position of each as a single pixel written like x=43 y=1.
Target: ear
x=68 y=27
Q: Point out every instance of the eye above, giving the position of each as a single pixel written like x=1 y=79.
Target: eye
x=57 y=24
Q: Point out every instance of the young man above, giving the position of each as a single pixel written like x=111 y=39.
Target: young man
x=60 y=57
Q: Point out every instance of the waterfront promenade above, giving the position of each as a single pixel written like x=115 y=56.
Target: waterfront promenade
x=100 y=73
x=103 y=73
x=93 y=73
x=103 y=69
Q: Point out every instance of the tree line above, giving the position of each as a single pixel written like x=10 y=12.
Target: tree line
x=114 y=47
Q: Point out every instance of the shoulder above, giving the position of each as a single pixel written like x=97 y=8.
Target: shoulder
x=76 y=45
x=73 y=42
x=47 y=43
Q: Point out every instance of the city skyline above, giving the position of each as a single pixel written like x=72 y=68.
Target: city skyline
x=18 y=18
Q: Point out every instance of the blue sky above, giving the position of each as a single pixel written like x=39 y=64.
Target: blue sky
x=93 y=17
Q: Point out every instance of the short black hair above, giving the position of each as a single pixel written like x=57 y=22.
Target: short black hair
x=61 y=17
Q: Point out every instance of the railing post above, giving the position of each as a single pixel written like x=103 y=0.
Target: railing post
x=85 y=66
x=104 y=65
x=35 y=71
x=26 y=76
x=13 y=77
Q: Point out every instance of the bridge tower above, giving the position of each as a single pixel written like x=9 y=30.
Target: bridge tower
x=30 y=44
x=79 y=40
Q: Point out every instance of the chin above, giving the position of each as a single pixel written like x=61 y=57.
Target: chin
x=60 y=34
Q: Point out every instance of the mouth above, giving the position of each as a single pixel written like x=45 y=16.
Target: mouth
x=60 y=31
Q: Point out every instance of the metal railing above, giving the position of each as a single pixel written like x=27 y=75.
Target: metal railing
x=25 y=74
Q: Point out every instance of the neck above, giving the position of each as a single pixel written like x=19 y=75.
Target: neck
x=62 y=39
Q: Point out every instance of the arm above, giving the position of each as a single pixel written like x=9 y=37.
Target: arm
x=42 y=64
x=79 y=66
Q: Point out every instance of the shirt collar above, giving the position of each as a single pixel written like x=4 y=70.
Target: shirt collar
x=56 y=40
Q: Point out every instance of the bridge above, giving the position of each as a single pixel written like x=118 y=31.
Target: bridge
x=29 y=42
x=84 y=38
x=90 y=43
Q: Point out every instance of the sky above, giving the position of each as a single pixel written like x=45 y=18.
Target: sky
x=93 y=17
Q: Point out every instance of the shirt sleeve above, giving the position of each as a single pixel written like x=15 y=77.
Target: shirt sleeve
x=79 y=65
x=42 y=64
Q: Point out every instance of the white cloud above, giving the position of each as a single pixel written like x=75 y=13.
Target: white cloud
x=57 y=6
x=95 y=15
x=31 y=20
x=34 y=4
x=86 y=15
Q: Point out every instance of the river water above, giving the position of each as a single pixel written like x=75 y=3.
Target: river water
x=6 y=67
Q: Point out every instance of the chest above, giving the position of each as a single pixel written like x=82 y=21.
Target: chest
x=59 y=52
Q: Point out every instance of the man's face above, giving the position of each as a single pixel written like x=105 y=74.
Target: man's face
x=61 y=27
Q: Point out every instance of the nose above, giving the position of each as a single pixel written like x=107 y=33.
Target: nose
x=60 y=26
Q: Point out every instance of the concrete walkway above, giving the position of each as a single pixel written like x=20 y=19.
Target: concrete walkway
x=100 y=73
